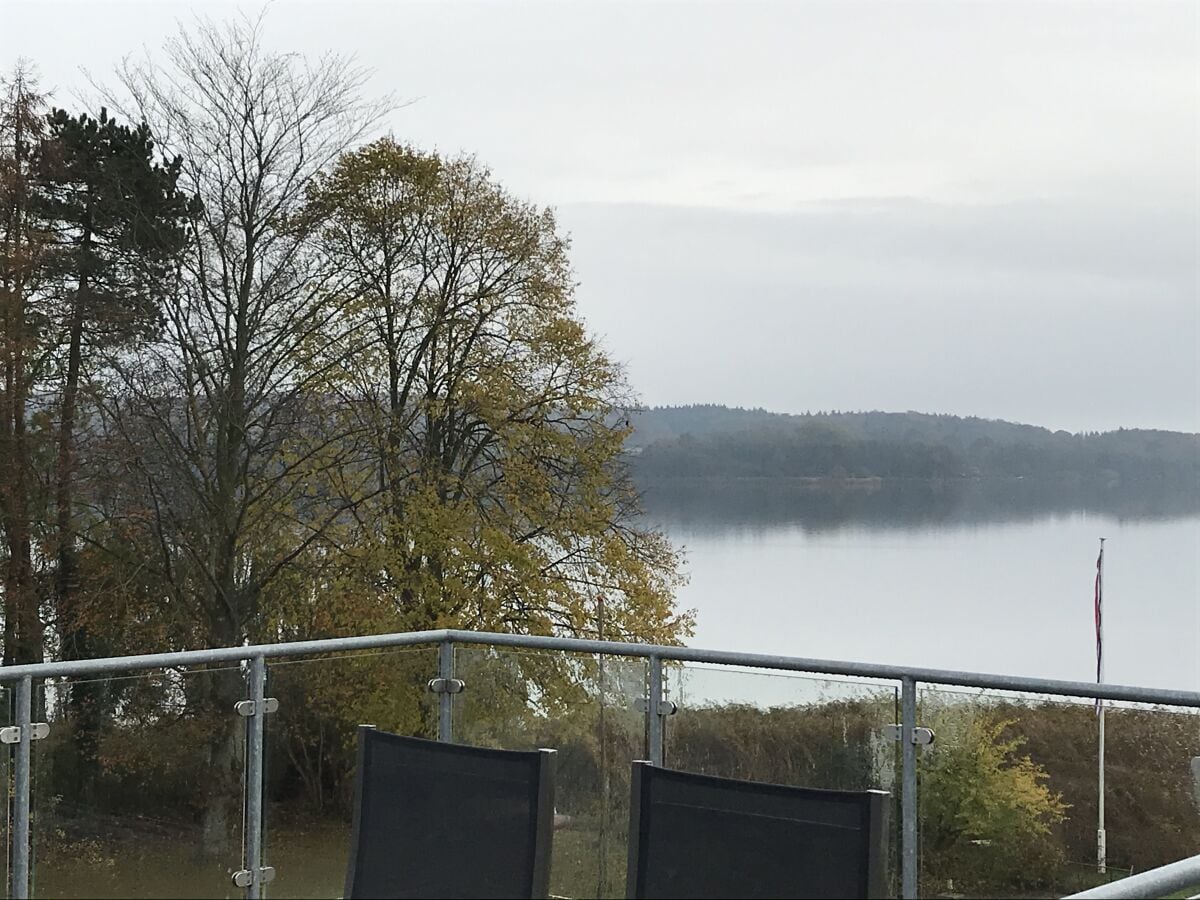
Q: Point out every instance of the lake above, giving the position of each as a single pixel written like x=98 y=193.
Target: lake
x=1001 y=585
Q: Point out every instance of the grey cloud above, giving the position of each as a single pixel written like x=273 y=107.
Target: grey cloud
x=1058 y=315
x=1156 y=244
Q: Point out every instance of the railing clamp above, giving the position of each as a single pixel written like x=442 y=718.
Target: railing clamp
x=922 y=737
x=243 y=878
x=447 y=685
x=12 y=733
x=248 y=708
x=665 y=707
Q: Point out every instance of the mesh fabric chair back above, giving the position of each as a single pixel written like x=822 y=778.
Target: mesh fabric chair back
x=436 y=819
x=696 y=836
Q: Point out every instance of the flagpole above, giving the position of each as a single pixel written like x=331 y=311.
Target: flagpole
x=1101 y=848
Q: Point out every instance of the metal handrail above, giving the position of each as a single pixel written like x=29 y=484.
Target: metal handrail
x=446 y=639
x=988 y=681
x=1160 y=882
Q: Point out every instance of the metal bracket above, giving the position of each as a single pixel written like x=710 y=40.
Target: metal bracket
x=248 y=708
x=665 y=707
x=12 y=733
x=922 y=737
x=447 y=685
x=243 y=878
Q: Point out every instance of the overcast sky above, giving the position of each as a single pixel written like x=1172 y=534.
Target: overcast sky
x=984 y=209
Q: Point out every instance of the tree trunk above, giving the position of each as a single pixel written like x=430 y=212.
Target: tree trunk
x=222 y=781
x=23 y=624
x=86 y=699
x=65 y=577
x=222 y=812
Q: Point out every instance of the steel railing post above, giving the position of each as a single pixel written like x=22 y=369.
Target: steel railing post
x=20 y=851
x=654 y=718
x=445 y=697
x=254 y=777
x=908 y=789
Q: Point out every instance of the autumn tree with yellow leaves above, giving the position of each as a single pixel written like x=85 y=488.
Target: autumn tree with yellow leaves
x=494 y=422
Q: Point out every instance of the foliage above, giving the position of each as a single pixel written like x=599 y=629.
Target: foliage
x=266 y=382
x=25 y=323
x=987 y=815
x=118 y=221
x=502 y=501
x=1150 y=806
x=831 y=745
x=322 y=702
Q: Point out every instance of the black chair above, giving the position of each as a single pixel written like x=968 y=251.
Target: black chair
x=696 y=836
x=435 y=819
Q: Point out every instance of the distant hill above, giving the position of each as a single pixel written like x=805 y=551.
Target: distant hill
x=708 y=441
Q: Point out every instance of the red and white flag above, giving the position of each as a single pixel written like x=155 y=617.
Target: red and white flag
x=1099 y=630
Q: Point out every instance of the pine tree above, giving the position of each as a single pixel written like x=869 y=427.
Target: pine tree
x=118 y=220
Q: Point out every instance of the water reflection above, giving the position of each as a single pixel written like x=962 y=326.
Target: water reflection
x=716 y=505
x=971 y=575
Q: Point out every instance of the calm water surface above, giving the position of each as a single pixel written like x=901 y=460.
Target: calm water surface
x=1009 y=596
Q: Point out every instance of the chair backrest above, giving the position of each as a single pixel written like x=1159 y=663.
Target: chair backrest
x=697 y=836
x=436 y=819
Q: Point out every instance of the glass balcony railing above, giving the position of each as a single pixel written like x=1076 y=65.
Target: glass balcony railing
x=587 y=708
x=142 y=782
x=310 y=754
x=137 y=788
x=1009 y=792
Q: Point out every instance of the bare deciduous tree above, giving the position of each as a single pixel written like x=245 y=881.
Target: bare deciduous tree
x=218 y=417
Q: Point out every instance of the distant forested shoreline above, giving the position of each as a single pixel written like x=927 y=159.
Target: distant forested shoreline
x=715 y=441
x=713 y=461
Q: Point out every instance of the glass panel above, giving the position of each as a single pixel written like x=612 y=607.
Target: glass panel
x=310 y=754
x=137 y=791
x=781 y=728
x=588 y=709
x=786 y=729
x=1009 y=792
x=6 y=701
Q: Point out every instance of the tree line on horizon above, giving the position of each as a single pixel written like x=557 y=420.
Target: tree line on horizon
x=714 y=441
